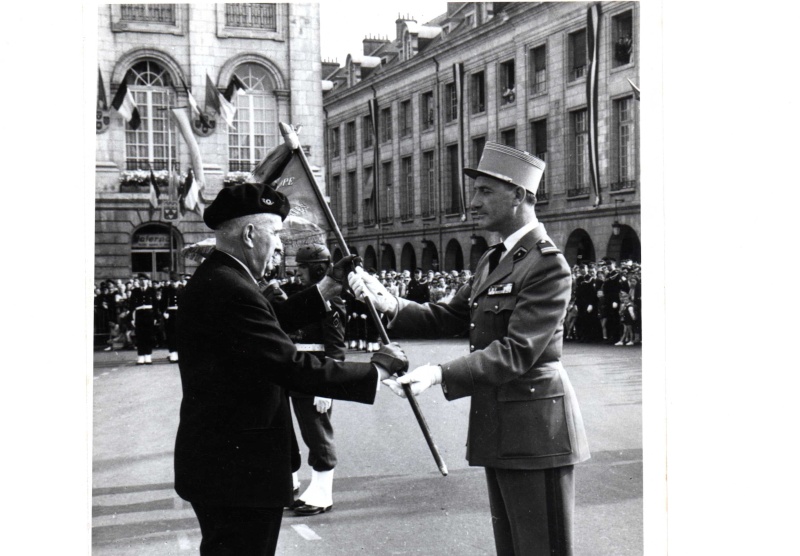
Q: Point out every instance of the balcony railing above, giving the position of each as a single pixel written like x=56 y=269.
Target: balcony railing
x=577 y=72
x=623 y=185
x=150 y=13
x=251 y=16
x=240 y=166
x=577 y=192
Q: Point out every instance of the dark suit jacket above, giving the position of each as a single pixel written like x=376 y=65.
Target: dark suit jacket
x=524 y=413
x=233 y=446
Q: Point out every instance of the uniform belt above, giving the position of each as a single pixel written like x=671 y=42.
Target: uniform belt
x=144 y=307
x=172 y=308
x=310 y=347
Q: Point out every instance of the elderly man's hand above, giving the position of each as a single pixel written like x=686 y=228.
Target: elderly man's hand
x=390 y=359
x=365 y=285
x=343 y=267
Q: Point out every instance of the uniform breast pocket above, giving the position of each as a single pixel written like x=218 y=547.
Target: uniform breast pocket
x=497 y=311
x=533 y=418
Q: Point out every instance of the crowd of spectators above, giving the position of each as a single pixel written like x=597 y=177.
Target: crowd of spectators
x=605 y=304
x=113 y=309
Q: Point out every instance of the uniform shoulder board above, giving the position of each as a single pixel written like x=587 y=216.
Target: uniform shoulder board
x=547 y=247
x=519 y=253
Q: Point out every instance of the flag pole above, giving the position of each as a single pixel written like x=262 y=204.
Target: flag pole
x=290 y=137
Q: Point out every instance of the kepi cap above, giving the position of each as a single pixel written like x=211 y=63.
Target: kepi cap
x=245 y=199
x=509 y=165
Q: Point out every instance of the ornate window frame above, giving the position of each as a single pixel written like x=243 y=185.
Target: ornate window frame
x=279 y=34
x=119 y=26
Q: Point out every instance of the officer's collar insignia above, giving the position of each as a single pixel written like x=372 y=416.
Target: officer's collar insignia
x=519 y=253
x=546 y=247
x=501 y=289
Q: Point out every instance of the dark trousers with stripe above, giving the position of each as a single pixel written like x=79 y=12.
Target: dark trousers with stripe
x=317 y=432
x=238 y=531
x=145 y=332
x=532 y=511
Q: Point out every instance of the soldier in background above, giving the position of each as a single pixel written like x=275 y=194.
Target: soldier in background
x=323 y=339
x=169 y=309
x=142 y=303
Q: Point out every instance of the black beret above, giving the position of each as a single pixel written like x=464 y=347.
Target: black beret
x=245 y=199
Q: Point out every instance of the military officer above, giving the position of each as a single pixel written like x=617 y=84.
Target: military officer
x=525 y=426
x=324 y=338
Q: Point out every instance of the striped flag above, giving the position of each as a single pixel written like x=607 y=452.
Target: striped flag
x=376 y=156
x=593 y=26
x=155 y=192
x=458 y=85
x=124 y=104
x=102 y=103
x=223 y=106
x=192 y=197
x=195 y=107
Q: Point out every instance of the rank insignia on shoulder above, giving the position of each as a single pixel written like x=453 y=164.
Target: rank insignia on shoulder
x=519 y=253
x=501 y=289
x=546 y=247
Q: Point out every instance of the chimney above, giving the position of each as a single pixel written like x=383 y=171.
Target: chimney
x=371 y=44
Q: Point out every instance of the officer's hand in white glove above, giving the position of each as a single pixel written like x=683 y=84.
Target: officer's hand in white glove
x=614 y=305
x=589 y=309
x=420 y=379
x=322 y=404
x=365 y=285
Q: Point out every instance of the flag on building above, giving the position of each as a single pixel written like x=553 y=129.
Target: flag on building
x=375 y=195
x=593 y=26
x=188 y=196
x=233 y=88
x=124 y=104
x=102 y=102
x=194 y=106
x=192 y=196
x=218 y=101
x=155 y=192
x=636 y=92
x=458 y=85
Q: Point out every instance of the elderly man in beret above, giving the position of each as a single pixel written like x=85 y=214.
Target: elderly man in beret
x=234 y=440
x=525 y=426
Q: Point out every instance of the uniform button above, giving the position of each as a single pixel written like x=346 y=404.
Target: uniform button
x=475 y=304
x=472 y=348
x=496 y=307
x=532 y=389
x=472 y=325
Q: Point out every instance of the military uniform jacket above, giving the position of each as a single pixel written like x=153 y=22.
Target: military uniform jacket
x=524 y=413
x=234 y=441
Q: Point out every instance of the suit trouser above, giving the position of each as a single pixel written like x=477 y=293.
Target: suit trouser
x=532 y=510
x=317 y=432
x=238 y=531
x=169 y=330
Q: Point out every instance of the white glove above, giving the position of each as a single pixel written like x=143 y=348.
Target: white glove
x=614 y=305
x=366 y=285
x=420 y=379
x=166 y=315
x=322 y=404
x=589 y=309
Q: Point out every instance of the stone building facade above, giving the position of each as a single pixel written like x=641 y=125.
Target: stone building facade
x=161 y=49
x=524 y=85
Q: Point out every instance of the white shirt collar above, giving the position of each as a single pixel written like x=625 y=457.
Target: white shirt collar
x=512 y=240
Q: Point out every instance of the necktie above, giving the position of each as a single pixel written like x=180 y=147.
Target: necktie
x=494 y=256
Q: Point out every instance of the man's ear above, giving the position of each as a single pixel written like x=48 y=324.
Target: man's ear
x=519 y=195
x=248 y=232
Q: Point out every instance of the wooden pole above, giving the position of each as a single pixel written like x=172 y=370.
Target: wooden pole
x=290 y=137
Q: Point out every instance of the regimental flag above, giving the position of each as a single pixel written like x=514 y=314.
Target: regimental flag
x=192 y=197
x=155 y=192
x=284 y=168
x=593 y=26
x=458 y=85
x=124 y=104
x=376 y=157
x=188 y=194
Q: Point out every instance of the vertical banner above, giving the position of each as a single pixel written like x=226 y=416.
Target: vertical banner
x=593 y=38
x=458 y=86
x=192 y=197
x=376 y=157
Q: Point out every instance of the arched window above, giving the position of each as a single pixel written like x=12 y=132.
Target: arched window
x=256 y=121
x=155 y=143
